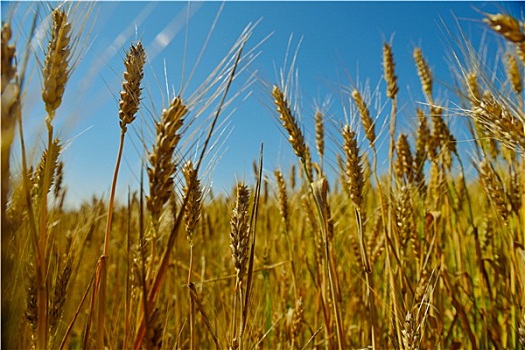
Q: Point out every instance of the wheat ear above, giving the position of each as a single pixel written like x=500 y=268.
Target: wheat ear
x=289 y=122
x=239 y=231
x=319 y=135
x=514 y=73
x=56 y=65
x=389 y=71
x=507 y=26
x=368 y=123
x=405 y=164
x=162 y=164
x=131 y=90
x=424 y=72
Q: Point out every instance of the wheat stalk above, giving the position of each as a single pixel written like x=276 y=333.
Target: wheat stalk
x=192 y=214
x=55 y=74
x=129 y=104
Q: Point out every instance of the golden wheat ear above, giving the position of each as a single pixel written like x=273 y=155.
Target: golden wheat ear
x=289 y=122
x=239 y=231
x=161 y=158
x=130 y=95
x=56 y=65
x=364 y=113
x=424 y=72
x=193 y=190
x=353 y=167
x=389 y=71
x=506 y=25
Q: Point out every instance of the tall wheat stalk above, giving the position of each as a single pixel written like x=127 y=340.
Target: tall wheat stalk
x=129 y=103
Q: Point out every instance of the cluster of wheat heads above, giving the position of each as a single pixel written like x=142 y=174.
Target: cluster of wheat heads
x=420 y=255
x=429 y=259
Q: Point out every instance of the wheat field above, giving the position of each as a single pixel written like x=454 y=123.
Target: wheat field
x=414 y=255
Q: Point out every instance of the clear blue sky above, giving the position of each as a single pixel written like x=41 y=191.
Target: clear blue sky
x=341 y=46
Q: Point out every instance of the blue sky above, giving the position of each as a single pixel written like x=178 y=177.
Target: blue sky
x=340 y=47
